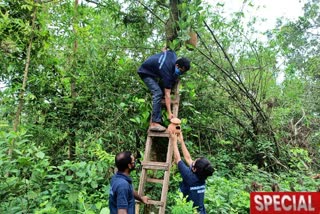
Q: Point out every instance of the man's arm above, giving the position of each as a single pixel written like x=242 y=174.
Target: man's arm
x=122 y=211
x=185 y=151
x=167 y=97
x=176 y=153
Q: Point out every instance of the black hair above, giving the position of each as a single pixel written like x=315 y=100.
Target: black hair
x=122 y=160
x=183 y=63
x=203 y=168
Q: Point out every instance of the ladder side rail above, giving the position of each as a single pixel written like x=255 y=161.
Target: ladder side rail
x=166 y=179
x=143 y=176
x=175 y=106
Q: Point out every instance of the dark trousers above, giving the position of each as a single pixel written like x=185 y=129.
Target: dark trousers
x=157 y=95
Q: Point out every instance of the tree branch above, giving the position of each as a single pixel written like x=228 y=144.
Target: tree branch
x=147 y=8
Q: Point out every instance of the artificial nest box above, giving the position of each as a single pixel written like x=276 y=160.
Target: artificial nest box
x=174 y=127
x=191 y=43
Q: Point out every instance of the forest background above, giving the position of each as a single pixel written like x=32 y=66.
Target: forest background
x=72 y=99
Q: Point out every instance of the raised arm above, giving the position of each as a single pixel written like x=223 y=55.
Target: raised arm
x=185 y=151
x=176 y=153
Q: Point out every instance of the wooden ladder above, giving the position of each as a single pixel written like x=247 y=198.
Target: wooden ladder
x=148 y=164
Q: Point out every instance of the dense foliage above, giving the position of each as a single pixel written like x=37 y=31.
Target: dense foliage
x=71 y=99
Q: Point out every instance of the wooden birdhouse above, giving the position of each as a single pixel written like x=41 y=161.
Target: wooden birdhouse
x=193 y=40
x=174 y=126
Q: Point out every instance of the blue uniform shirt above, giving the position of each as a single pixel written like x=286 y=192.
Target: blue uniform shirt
x=192 y=187
x=121 y=194
x=161 y=66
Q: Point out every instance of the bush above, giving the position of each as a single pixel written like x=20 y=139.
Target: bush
x=182 y=206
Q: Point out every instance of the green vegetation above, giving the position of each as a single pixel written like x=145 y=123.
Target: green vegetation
x=73 y=100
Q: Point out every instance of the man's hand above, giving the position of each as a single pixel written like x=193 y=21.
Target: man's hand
x=144 y=199
x=170 y=116
x=173 y=136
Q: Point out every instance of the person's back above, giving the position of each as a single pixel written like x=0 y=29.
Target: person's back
x=121 y=194
x=162 y=66
x=194 y=174
x=192 y=187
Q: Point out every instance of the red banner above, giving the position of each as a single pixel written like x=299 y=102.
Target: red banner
x=285 y=202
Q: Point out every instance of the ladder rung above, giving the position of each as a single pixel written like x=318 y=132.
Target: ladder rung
x=158 y=203
x=158 y=134
x=155 y=165
x=155 y=180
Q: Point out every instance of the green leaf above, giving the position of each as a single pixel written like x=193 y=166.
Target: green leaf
x=98 y=205
x=105 y=210
x=94 y=184
x=81 y=174
x=40 y=155
x=68 y=178
x=73 y=197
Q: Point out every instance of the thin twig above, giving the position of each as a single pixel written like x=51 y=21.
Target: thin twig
x=146 y=7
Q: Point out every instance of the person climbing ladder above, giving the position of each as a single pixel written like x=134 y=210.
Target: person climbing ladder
x=162 y=68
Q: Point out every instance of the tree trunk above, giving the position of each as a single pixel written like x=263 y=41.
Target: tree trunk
x=171 y=25
x=25 y=79
x=73 y=114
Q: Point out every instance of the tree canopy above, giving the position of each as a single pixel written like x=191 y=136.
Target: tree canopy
x=72 y=99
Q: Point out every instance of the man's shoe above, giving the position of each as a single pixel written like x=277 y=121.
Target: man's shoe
x=157 y=128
